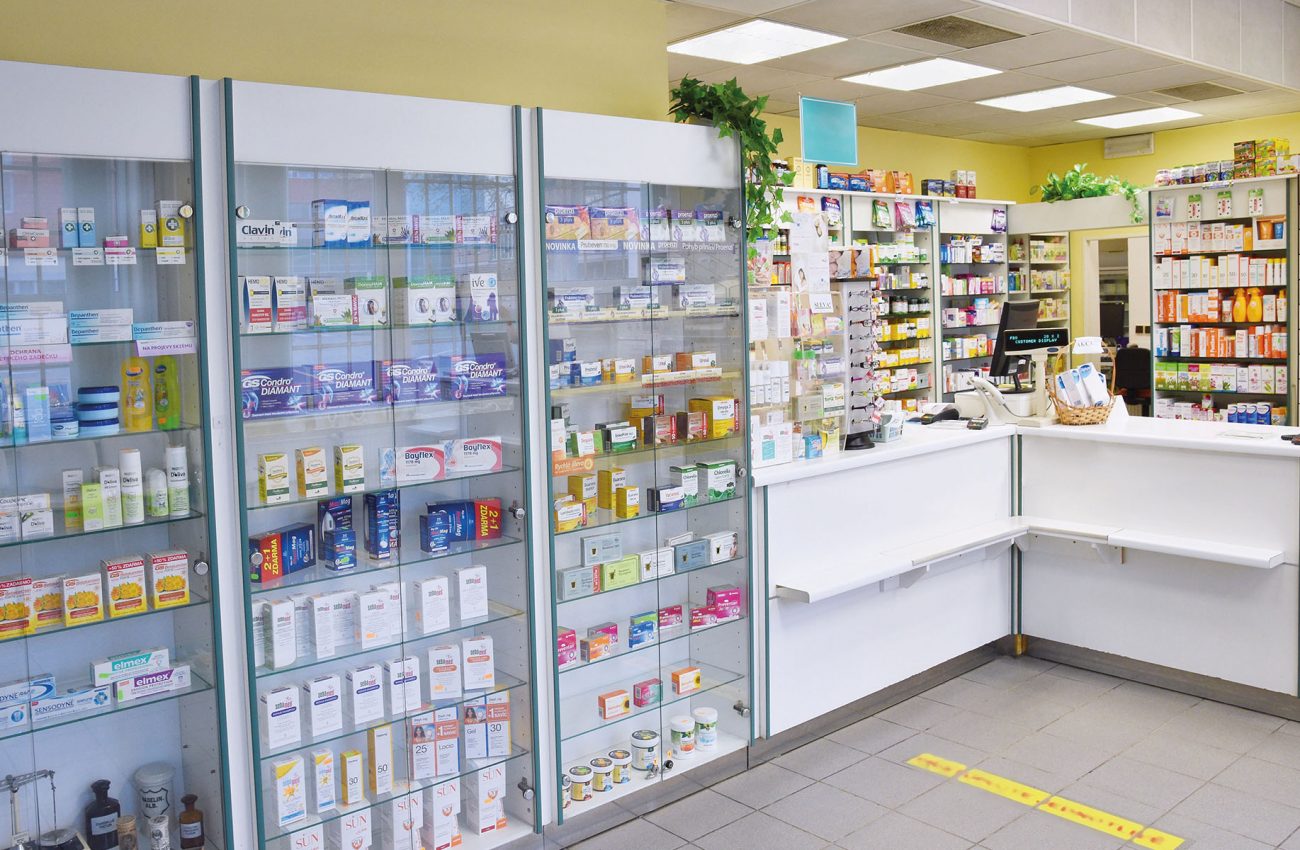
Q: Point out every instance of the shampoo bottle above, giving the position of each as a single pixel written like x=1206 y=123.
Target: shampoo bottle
x=1254 y=306
x=101 y=818
x=166 y=394
x=1239 y=305
x=137 y=400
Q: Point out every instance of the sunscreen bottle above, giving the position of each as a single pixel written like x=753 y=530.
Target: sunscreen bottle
x=166 y=394
x=137 y=400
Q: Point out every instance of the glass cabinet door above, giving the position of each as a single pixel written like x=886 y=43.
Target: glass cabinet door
x=646 y=351
x=382 y=461
x=108 y=654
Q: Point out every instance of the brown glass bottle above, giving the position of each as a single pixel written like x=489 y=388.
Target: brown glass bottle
x=101 y=818
x=191 y=823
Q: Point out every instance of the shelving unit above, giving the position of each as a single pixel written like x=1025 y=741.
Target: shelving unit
x=423 y=381
x=973 y=281
x=63 y=611
x=1042 y=273
x=1219 y=351
x=623 y=425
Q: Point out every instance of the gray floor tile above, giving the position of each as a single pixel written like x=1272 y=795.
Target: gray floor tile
x=1112 y=803
x=1061 y=689
x=1038 y=830
x=1024 y=709
x=1146 y=783
x=983 y=733
x=1290 y=727
x=1281 y=747
x=1244 y=814
x=884 y=782
x=1262 y=778
x=918 y=713
x=762 y=785
x=1292 y=843
x=1176 y=753
x=698 y=814
x=899 y=832
x=1006 y=671
x=1080 y=675
x=1102 y=730
x=963 y=811
x=962 y=693
x=1203 y=836
x=820 y=759
x=1240 y=734
x=871 y=735
x=1057 y=756
x=825 y=811
x=758 y=831
x=926 y=742
x=636 y=833
x=1043 y=780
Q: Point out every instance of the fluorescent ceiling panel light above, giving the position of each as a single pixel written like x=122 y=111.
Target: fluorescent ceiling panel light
x=1032 y=101
x=922 y=75
x=1142 y=116
x=754 y=41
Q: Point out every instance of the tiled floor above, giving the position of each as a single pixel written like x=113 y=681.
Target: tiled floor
x=1219 y=777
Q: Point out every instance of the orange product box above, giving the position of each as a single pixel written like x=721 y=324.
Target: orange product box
x=686 y=680
x=614 y=704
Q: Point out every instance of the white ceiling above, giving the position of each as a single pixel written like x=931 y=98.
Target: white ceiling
x=1046 y=55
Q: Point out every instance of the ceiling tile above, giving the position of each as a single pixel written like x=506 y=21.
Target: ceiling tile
x=997 y=138
x=831 y=89
x=1058 y=9
x=848 y=57
x=749 y=8
x=1241 y=83
x=897 y=101
x=1105 y=17
x=1156 y=78
x=1034 y=49
x=1109 y=63
x=684 y=20
x=1007 y=20
x=1216 y=33
x=986 y=87
x=890 y=122
x=911 y=42
x=1165 y=25
x=681 y=66
x=948 y=113
x=1263 y=31
x=757 y=79
x=859 y=17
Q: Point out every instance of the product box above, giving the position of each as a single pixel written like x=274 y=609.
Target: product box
x=433 y=229
x=433 y=604
x=383 y=528
x=365 y=690
x=76 y=701
x=276 y=391
x=83 y=599
x=358 y=224
x=614 y=704
x=280 y=632
x=47 y=601
x=642 y=629
x=289 y=304
x=567 y=223
x=670 y=617
x=410 y=380
x=566 y=648
x=572 y=301
x=17 y=608
x=691 y=555
x=313 y=472
x=369 y=301
x=68 y=227
x=171 y=225
x=473 y=376
x=428 y=300
x=627 y=502
x=257 y=304
x=323 y=785
x=329 y=223
x=577 y=582
x=485 y=796
x=687 y=479
x=323 y=699
x=290 y=790
x=692 y=425
x=379 y=743
x=168 y=578
x=599 y=548
x=444 y=672
x=86 y=237
x=336 y=386
x=484 y=305
x=273 y=554
x=664 y=499
x=703 y=617
x=719 y=413
x=402 y=677
x=151 y=684
x=124 y=578
x=718 y=480
x=648 y=692
x=435 y=748
x=400 y=818
x=621 y=572
x=474 y=455
x=722 y=546
x=349 y=469
x=476 y=230
x=353 y=785
x=478 y=663
x=656 y=563
x=686 y=680
x=115 y=668
x=594 y=647
x=472 y=593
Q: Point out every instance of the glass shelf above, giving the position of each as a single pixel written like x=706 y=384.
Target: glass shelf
x=667 y=637
x=184 y=429
x=377 y=329
x=643 y=385
x=149 y=522
x=656 y=580
x=115 y=709
x=611 y=520
x=196 y=601
x=645 y=316
x=376 y=415
x=411 y=485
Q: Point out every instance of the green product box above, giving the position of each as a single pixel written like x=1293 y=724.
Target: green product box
x=621 y=573
x=719 y=480
x=688 y=478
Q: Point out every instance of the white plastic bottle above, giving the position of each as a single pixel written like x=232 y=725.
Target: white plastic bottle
x=178 y=482
x=155 y=492
x=128 y=461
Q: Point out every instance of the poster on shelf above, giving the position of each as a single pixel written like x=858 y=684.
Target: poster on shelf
x=809 y=234
x=1223 y=204
x=821 y=302
x=810 y=272
x=1164 y=207
x=1194 y=207
x=1255 y=202
x=758 y=328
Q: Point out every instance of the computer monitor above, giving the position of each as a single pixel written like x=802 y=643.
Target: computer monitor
x=1016 y=316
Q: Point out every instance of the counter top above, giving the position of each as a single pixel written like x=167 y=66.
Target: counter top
x=916 y=440
x=1179 y=434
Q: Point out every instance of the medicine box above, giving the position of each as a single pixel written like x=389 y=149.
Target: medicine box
x=478 y=663
x=290 y=790
x=349 y=469
x=692 y=555
x=719 y=413
x=642 y=629
x=365 y=694
x=718 y=480
x=379 y=743
x=402 y=677
x=665 y=499
x=444 y=672
x=614 y=704
x=670 y=617
x=727 y=600
x=324 y=790
x=722 y=546
x=273 y=478
x=424 y=300
x=354 y=793
x=433 y=604
x=281 y=721
x=323 y=699
x=627 y=502
x=620 y=572
x=577 y=582
x=124 y=580
x=686 y=478
x=17 y=618
x=257 y=304
x=686 y=680
x=47 y=601
x=600 y=548
x=472 y=593
x=703 y=617
x=83 y=599
x=594 y=647
x=566 y=647
x=648 y=692
x=168 y=577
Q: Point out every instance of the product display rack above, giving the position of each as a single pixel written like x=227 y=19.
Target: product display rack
x=973 y=271
x=109 y=622
x=1041 y=263
x=1223 y=300
x=611 y=239
x=387 y=355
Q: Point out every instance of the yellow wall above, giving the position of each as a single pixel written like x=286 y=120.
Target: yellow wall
x=1187 y=146
x=603 y=56
x=1000 y=169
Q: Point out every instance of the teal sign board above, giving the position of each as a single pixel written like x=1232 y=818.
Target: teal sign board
x=828 y=131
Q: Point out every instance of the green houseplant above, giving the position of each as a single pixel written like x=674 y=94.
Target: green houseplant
x=735 y=114
x=1077 y=183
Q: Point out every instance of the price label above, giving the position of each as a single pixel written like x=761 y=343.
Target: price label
x=120 y=257
x=157 y=347
x=170 y=256
x=88 y=256
x=41 y=256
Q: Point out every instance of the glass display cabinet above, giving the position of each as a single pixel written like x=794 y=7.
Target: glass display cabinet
x=646 y=350
x=382 y=461
x=110 y=721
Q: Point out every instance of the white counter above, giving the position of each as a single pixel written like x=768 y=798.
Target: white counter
x=1179 y=434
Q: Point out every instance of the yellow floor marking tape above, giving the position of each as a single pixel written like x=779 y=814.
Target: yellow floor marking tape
x=934 y=764
x=1070 y=810
x=1004 y=787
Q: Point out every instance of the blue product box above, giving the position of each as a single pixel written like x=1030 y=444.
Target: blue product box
x=332 y=514
x=563 y=350
x=383 y=524
x=37 y=409
x=278 y=391
x=340 y=385
x=410 y=380
x=435 y=532
x=460 y=519
x=641 y=631
x=710 y=225
x=339 y=549
x=329 y=223
x=473 y=375
x=858 y=183
x=691 y=556
x=838 y=182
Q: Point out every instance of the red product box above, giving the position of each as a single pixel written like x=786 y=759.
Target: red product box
x=670 y=617
x=702 y=617
x=726 y=601
x=487 y=514
x=648 y=692
x=566 y=648
x=265 y=560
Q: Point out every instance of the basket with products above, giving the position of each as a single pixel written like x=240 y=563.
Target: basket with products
x=1080 y=395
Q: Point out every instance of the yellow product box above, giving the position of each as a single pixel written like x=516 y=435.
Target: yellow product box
x=169 y=578
x=687 y=360
x=582 y=487
x=313 y=472
x=273 y=478
x=641 y=406
x=349 y=469
x=608 y=483
x=124 y=579
x=618 y=370
x=17 y=614
x=627 y=503
x=569 y=514
x=1266 y=167
x=351 y=781
x=686 y=680
x=83 y=599
x=653 y=363
x=719 y=414
x=47 y=601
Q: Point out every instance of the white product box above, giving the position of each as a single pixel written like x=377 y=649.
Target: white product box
x=349 y=469
x=281 y=720
x=273 y=478
x=115 y=668
x=329 y=223
x=151 y=684
x=485 y=800
x=441 y=806
x=91 y=699
x=345 y=616
x=280 y=624
x=289 y=296
x=308 y=838
x=352 y=831
x=324 y=782
x=444 y=672
x=484 y=305
x=124 y=583
x=473 y=729
x=489 y=736
x=472 y=593
x=365 y=689
x=320 y=627
x=478 y=663
x=302 y=625
x=402 y=677
x=393 y=607
x=371 y=628
x=259 y=632
x=421 y=463
x=433 y=604
x=380 y=745
x=358 y=228
x=290 y=790
x=433 y=229
x=313 y=472
x=323 y=697
x=476 y=454
x=400 y=819
x=330 y=310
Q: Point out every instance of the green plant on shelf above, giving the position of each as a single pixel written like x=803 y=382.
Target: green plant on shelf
x=1077 y=183
x=733 y=113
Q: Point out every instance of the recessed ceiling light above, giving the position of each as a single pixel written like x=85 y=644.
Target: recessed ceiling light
x=753 y=41
x=1032 y=101
x=922 y=75
x=1142 y=116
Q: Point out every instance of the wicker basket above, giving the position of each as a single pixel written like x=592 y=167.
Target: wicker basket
x=1068 y=415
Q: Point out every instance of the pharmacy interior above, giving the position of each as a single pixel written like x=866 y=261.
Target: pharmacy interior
x=491 y=481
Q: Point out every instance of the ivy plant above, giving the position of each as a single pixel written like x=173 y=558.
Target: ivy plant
x=1077 y=183
x=736 y=114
